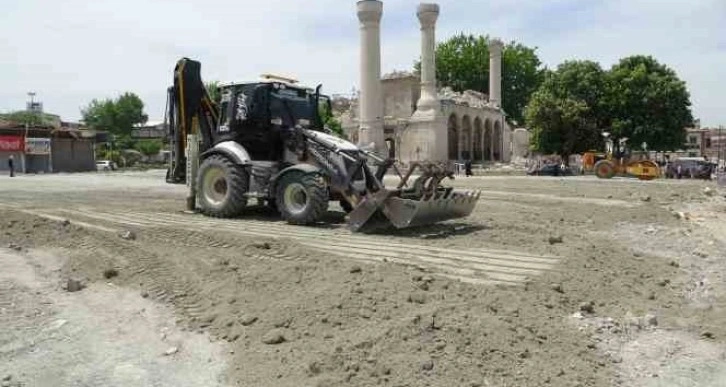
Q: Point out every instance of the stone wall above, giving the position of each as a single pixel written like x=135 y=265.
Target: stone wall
x=400 y=95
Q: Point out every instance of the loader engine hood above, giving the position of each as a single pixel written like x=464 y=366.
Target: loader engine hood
x=332 y=141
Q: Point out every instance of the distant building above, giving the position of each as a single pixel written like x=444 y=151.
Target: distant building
x=476 y=128
x=704 y=142
x=697 y=140
x=150 y=130
x=52 y=145
x=153 y=130
x=45 y=149
x=71 y=125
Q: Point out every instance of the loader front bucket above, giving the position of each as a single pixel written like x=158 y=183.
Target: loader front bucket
x=384 y=209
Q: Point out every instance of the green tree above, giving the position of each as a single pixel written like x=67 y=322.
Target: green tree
x=647 y=102
x=335 y=125
x=214 y=91
x=117 y=116
x=561 y=126
x=583 y=81
x=329 y=120
x=566 y=113
x=31 y=118
x=148 y=147
x=462 y=63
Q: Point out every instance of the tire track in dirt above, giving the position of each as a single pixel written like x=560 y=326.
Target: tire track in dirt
x=21 y=315
x=486 y=266
x=165 y=279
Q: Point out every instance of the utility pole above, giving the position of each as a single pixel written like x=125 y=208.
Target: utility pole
x=29 y=114
x=720 y=146
x=31 y=94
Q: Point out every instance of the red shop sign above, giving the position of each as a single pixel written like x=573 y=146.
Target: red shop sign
x=11 y=144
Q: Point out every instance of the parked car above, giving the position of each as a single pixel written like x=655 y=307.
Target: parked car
x=105 y=165
x=691 y=168
x=551 y=170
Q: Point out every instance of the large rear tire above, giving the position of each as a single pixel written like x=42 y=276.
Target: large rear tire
x=302 y=198
x=605 y=169
x=221 y=187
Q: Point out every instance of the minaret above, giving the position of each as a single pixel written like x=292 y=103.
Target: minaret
x=495 y=71
x=371 y=92
x=424 y=139
x=428 y=103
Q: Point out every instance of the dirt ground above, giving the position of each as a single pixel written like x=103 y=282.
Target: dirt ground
x=551 y=282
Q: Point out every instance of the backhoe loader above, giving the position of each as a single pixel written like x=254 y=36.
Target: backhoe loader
x=266 y=140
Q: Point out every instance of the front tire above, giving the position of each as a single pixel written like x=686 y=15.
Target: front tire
x=302 y=198
x=221 y=187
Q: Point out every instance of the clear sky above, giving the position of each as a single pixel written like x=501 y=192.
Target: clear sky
x=71 y=51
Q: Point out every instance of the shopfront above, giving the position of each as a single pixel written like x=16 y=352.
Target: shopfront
x=37 y=155
x=30 y=155
x=46 y=150
x=11 y=146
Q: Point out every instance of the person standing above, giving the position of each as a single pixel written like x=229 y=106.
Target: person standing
x=11 y=165
x=467 y=167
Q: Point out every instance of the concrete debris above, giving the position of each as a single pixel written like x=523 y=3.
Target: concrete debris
x=646 y=198
x=171 y=351
x=273 y=337
x=356 y=269
x=701 y=254
x=708 y=191
x=555 y=239
x=650 y=320
x=587 y=307
x=66 y=223
x=428 y=365
x=74 y=285
x=283 y=323
x=128 y=235
x=664 y=282
x=417 y=298
x=248 y=320
x=682 y=215
x=110 y=273
x=314 y=368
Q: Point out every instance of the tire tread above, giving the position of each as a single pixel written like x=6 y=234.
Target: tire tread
x=236 y=186
x=317 y=195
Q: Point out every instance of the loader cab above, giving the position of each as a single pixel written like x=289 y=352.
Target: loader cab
x=256 y=114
